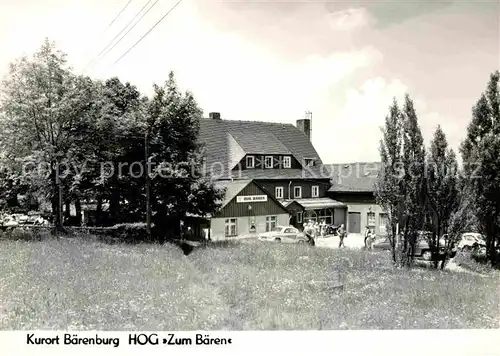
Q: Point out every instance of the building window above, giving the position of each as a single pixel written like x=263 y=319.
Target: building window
x=299 y=217
x=287 y=162
x=383 y=221
x=230 y=228
x=371 y=219
x=326 y=216
x=250 y=161
x=270 y=223
x=310 y=216
x=297 y=192
x=269 y=162
x=315 y=191
x=309 y=162
x=278 y=192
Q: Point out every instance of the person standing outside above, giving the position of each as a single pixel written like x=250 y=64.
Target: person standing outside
x=342 y=233
x=322 y=226
x=371 y=239
x=252 y=227
x=310 y=233
x=367 y=236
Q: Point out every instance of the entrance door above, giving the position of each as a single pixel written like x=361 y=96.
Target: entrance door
x=354 y=223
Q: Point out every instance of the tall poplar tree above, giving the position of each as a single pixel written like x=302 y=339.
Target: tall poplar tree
x=413 y=184
x=388 y=190
x=481 y=157
x=442 y=191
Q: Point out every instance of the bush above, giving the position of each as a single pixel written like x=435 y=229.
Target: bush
x=473 y=261
x=130 y=232
x=21 y=234
x=26 y=234
x=223 y=244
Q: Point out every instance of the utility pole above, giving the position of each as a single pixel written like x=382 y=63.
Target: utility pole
x=148 y=202
x=58 y=218
x=60 y=204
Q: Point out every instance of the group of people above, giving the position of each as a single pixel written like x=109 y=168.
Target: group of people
x=315 y=229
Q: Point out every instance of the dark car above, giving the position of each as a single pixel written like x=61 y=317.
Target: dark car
x=331 y=230
x=422 y=248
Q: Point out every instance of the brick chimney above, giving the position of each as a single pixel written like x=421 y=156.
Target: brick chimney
x=214 y=115
x=304 y=124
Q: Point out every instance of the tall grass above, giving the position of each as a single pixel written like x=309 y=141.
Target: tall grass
x=268 y=287
x=69 y=284
x=75 y=284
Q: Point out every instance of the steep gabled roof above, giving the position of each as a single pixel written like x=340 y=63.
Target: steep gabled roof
x=358 y=177
x=264 y=142
x=229 y=141
x=232 y=187
x=235 y=151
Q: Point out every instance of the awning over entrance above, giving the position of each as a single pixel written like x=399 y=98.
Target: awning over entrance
x=319 y=203
x=324 y=210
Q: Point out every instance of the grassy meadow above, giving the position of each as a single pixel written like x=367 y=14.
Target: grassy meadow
x=72 y=284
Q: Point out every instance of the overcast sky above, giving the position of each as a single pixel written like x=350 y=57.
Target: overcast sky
x=273 y=60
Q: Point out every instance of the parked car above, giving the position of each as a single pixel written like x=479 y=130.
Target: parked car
x=471 y=241
x=285 y=234
x=20 y=218
x=8 y=221
x=40 y=221
x=422 y=248
x=382 y=243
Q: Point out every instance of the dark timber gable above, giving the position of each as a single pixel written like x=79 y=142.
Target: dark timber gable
x=235 y=209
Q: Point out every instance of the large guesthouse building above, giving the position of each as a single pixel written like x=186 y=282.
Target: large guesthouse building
x=273 y=176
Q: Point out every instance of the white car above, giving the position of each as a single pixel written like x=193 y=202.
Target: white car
x=21 y=218
x=41 y=221
x=9 y=221
x=470 y=240
x=285 y=234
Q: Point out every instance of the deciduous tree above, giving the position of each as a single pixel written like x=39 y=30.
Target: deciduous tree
x=43 y=106
x=179 y=186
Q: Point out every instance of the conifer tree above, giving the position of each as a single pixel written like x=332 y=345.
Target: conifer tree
x=481 y=157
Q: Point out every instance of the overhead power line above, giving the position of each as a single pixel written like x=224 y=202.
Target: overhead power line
x=130 y=29
x=114 y=38
x=147 y=33
x=107 y=28
x=116 y=17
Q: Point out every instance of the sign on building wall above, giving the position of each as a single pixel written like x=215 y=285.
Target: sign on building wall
x=251 y=198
